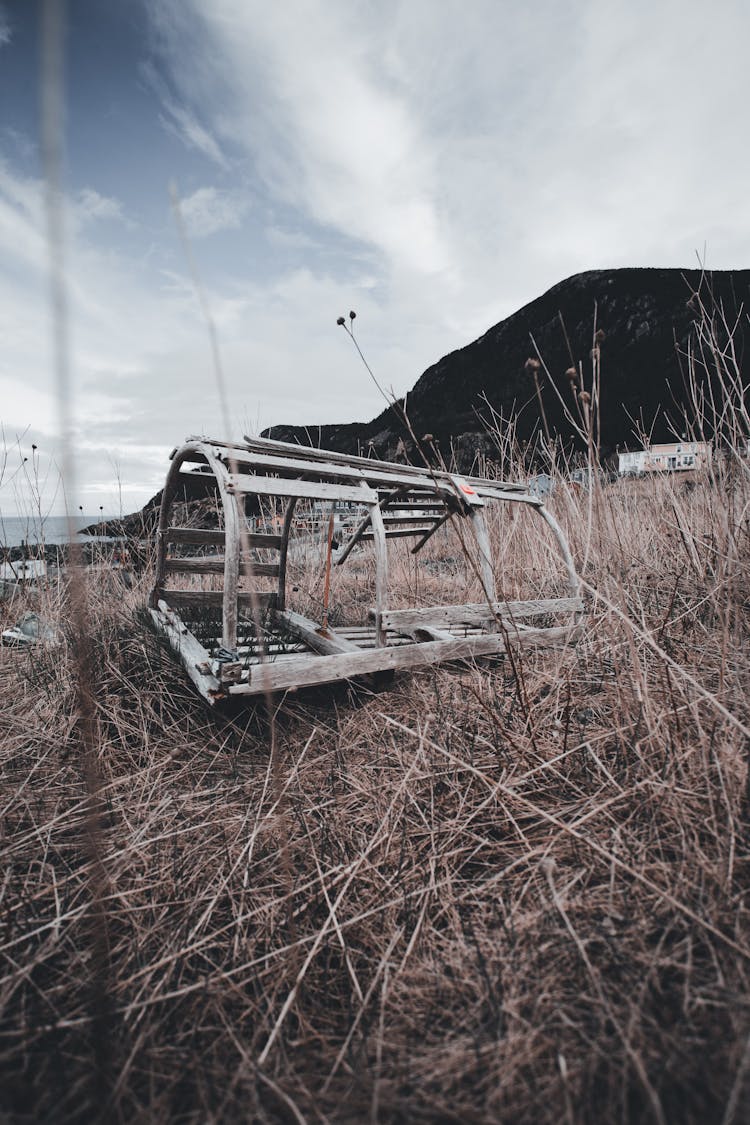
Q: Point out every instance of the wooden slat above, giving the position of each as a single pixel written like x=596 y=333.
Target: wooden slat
x=379 y=474
x=387 y=473
x=308 y=670
x=192 y=654
x=401 y=520
x=355 y=538
x=394 y=469
x=425 y=504
x=201 y=598
x=430 y=532
x=476 y=613
x=429 y=633
x=215 y=565
x=482 y=536
x=210 y=537
x=396 y=533
x=215 y=537
x=327 y=643
x=314 y=490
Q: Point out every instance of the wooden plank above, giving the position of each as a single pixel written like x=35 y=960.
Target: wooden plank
x=192 y=654
x=394 y=468
x=430 y=532
x=328 y=643
x=214 y=564
x=206 y=598
x=476 y=613
x=284 y=551
x=314 y=490
x=396 y=533
x=429 y=633
x=422 y=504
x=308 y=670
x=385 y=474
x=198 y=535
x=215 y=537
x=357 y=535
x=381 y=571
x=482 y=537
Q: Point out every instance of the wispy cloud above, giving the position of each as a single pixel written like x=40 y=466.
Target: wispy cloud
x=179 y=117
x=482 y=151
x=6 y=32
x=179 y=121
x=209 y=210
x=92 y=205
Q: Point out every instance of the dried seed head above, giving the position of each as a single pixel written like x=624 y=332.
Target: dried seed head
x=532 y=365
x=352 y=314
x=600 y=336
x=584 y=397
x=571 y=374
x=341 y=320
x=427 y=438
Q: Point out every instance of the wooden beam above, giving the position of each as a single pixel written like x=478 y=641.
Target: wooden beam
x=428 y=633
x=314 y=490
x=215 y=537
x=234 y=521
x=481 y=534
x=308 y=670
x=215 y=565
x=361 y=529
x=204 y=598
x=476 y=613
x=194 y=657
x=381 y=572
x=284 y=551
x=328 y=643
x=393 y=468
x=396 y=533
x=430 y=532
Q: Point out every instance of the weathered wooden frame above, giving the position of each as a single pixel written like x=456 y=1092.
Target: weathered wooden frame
x=401 y=501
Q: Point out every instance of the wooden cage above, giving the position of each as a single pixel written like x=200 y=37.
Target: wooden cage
x=240 y=642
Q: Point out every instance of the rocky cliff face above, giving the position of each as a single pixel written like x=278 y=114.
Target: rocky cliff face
x=645 y=319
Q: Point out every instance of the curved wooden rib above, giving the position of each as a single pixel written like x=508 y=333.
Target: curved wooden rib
x=194 y=449
x=574 y=582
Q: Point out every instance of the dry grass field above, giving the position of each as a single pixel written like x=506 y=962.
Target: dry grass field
x=515 y=892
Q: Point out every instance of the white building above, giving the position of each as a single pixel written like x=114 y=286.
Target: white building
x=679 y=456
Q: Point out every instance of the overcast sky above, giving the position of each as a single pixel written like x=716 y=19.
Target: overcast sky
x=432 y=164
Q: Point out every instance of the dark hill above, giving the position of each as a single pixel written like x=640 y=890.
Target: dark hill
x=647 y=317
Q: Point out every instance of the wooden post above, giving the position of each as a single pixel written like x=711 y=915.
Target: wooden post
x=327 y=586
x=479 y=525
x=381 y=571
x=286 y=532
x=574 y=583
x=231 y=571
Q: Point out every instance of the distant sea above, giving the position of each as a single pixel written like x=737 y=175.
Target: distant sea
x=52 y=529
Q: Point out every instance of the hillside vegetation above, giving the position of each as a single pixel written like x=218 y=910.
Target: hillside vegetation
x=650 y=322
